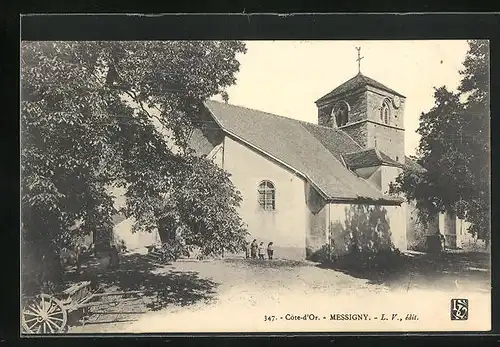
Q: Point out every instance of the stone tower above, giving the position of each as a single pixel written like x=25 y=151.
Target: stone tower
x=371 y=113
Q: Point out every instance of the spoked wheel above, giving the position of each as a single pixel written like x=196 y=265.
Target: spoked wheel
x=43 y=314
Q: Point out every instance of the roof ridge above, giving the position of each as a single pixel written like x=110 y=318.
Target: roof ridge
x=332 y=129
x=349 y=136
x=289 y=165
x=254 y=109
x=364 y=82
x=341 y=84
x=316 y=125
x=343 y=163
x=289 y=118
x=372 y=82
x=348 y=184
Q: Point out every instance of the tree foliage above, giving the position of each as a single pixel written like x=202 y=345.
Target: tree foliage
x=97 y=115
x=454 y=149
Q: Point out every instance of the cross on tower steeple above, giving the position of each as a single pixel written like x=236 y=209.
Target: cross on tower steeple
x=359 y=59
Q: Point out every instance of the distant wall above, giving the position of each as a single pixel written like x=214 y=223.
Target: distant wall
x=133 y=240
x=417 y=230
x=455 y=231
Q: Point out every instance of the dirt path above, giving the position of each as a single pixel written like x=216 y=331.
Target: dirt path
x=191 y=296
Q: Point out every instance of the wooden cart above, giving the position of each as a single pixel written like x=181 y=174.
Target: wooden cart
x=47 y=314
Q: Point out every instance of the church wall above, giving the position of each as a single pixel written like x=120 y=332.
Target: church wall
x=388 y=174
x=374 y=100
x=285 y=226
x=371 y=174
x=316 y=236
x=360 y=221
x=357 y=104
x=389 y=140
x=359 y=132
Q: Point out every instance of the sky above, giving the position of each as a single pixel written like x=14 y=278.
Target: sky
x=286 y=77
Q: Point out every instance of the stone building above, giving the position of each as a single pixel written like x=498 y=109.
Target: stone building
x=305 y=186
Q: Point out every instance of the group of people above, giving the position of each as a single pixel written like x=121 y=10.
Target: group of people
x=254 y=250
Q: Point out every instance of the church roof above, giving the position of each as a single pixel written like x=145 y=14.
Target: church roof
x=336 y=141
x=358 y=81
x=314 y=152
x=369 y=157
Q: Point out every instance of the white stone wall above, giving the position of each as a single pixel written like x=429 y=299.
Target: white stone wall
x=286 y=226
x=340 y=215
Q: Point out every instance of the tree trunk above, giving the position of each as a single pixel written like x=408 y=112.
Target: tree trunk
x=166 y=230
x=103 y=238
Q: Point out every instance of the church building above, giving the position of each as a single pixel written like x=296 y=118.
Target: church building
x=307 y=186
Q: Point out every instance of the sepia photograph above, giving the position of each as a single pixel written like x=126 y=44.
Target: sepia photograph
x=255 y=186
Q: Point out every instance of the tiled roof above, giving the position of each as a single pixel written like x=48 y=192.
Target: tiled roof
x=199 y=142
x=336 y=141
x=302 y=146
x=358 y=81
x=367 y=158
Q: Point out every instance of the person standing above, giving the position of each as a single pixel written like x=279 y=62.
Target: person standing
x=270 y=251
x=253 y=249
x=247 y=250
x=114 y=258
x=261 y=251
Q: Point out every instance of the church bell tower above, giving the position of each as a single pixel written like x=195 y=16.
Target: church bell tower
x=371 y=113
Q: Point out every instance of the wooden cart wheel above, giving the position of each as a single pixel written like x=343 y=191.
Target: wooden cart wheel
x=44 y=314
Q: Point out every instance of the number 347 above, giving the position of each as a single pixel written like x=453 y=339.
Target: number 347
x=269 y=318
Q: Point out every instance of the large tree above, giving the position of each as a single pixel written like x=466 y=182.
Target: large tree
x=97 y=115
x=454 y=149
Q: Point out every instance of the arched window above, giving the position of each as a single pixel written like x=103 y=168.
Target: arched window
x=267 y=195
x=340 y=114
x=385 y=113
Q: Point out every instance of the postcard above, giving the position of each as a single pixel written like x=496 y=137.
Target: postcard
x=255 y=186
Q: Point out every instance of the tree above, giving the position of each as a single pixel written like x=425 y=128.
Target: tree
x=97 y=115
x=454 y=149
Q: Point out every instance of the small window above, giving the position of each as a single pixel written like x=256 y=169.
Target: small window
x=340 y=114
x=267 y=195
x=385 y=113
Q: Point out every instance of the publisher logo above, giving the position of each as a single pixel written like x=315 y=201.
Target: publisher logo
x=459 y=309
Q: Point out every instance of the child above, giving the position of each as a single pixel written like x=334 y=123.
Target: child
x=270 y=251
x=261 y=251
